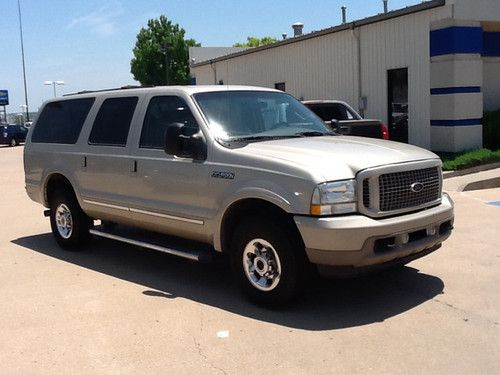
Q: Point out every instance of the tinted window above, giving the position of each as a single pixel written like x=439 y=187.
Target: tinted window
x=62 y=121
x=163 y=111
x=329 y=111
x=336 y=111
x=113 y=122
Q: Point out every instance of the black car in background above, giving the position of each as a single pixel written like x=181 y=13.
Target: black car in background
x=12 y=135
x=344 y=120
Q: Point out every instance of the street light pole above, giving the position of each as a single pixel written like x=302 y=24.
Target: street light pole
x=24 y=67
x=23 y=108
x=54 y=83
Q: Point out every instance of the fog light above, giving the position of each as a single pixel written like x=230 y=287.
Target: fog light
x=405 y=238
x=431 y=231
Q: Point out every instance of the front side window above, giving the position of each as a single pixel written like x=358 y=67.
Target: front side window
x=61 y=121
x=163 y=111
x=112 y=122
x=258 y=115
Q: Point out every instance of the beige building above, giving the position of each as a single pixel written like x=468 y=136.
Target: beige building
x=429 y=70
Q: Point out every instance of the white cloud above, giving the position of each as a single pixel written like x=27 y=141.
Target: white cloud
x=102 y=22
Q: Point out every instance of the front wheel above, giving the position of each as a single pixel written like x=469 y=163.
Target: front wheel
x=268 y=261
x=70 y=225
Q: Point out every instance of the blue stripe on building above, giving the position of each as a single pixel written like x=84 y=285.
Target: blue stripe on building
x=456 y=90
x=464 y=122
x=491 y=44
x=456 y=39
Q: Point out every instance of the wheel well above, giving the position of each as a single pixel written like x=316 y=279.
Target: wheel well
x=57 y=182
x=245 y=208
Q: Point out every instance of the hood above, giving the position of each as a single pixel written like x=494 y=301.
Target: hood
x=337 y=157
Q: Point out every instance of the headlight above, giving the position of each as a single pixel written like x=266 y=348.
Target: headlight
x=331 y=198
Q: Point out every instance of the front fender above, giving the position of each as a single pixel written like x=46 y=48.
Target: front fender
x=290 y=201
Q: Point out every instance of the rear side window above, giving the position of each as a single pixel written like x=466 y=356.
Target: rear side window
x=112 y=123
x=163 y=111
x=331 y=111
x=337 y=112
x=62 y=121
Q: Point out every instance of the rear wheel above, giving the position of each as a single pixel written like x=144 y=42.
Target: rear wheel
x=70 y=225
x=268 y=261
x=13 y=142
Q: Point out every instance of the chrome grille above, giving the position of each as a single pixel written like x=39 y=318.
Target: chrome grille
x=366 y=193
x=396 y=193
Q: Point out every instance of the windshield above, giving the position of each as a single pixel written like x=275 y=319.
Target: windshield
x=254 y=115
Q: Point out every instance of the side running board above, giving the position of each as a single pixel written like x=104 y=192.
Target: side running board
x=154 y=241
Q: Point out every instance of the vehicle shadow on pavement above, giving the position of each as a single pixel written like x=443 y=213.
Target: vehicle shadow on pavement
x=327 y=304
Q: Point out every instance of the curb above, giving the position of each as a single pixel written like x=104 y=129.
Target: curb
x=491 y=183
x=463 y=172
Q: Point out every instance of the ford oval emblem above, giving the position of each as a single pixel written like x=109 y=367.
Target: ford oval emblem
x=417 y=187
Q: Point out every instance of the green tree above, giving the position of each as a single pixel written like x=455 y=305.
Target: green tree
x=161 y=54
x=256 y=42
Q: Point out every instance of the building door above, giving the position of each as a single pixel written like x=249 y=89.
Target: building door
x=397 y=92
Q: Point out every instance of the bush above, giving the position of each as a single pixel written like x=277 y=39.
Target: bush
x=491 y=130
x=469 y=159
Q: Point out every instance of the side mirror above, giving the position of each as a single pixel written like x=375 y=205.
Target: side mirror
x=179 y=142
x=334 y=125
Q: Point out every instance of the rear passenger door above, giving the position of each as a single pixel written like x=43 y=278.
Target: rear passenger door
x=104 y=166
x=166 y=191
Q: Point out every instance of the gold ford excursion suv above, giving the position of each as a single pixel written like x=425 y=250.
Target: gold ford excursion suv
x=246 y=171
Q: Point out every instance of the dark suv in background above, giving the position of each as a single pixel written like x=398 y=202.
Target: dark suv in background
x=12 y=135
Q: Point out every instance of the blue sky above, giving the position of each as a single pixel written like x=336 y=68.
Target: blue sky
x=88 y=44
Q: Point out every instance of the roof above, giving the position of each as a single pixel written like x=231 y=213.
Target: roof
x=323 y=101
x=346 y=26
x=130 y=90
x=200 y=54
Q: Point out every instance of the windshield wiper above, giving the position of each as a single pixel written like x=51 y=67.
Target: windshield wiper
x=312 y=134
x=271 y=137
x=257 y=138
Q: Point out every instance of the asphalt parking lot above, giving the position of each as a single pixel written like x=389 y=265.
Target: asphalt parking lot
x=116 y=308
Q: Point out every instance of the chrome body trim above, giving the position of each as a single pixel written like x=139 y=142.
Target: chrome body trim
x=186 y=220
x=106 y=205
x=150 y=213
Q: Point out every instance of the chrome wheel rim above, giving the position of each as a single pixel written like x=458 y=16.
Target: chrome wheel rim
x=262 y=265
x=64 y=221
x=13 y=142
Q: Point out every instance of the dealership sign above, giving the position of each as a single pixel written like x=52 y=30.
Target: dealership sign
x=4 y=97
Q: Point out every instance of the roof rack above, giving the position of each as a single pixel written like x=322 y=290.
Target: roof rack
x=127 y=87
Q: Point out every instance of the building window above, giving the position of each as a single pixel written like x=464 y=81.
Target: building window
x=280 y=86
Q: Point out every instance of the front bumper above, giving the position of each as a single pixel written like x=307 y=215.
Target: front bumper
x=359 y=242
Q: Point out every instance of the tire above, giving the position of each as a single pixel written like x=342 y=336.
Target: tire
x=70 y=225
x=268 y=261
x=13 y=142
